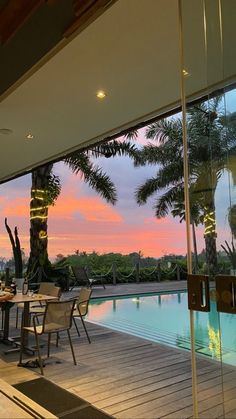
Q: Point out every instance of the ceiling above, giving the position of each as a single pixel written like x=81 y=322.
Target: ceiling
x=131 y=52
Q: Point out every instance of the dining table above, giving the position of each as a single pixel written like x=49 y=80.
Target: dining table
x=26 y=300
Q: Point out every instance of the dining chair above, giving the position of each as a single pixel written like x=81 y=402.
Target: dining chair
x=56 y=318
x=45 y=288
x=81 y=309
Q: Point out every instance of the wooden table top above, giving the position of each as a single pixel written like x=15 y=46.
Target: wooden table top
x=20 y=298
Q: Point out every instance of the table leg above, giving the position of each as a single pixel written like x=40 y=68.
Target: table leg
x=6 y=322
x=6 y=309
x=26 y=322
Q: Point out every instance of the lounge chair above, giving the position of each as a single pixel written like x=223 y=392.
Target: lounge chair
x=82 y=278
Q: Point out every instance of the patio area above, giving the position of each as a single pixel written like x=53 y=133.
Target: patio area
x=126 y=376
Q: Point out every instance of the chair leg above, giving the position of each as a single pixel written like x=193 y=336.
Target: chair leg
x=74 y=321
x=49 y=341
x=71 y=346
x=39 y=354
x=17 y=315
x=58 y=337
x=85 y=329
x=21 y=345
x=3 y=317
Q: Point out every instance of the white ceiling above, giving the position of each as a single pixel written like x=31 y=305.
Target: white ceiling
x=131 y=51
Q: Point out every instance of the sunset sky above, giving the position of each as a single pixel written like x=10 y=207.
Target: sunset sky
x=83 y=221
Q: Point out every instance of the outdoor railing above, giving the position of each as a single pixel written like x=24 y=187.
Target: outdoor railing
x=140 y=274
x=64 y=277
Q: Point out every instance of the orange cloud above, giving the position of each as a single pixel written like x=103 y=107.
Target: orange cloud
x=90 y=208
x=18 y=208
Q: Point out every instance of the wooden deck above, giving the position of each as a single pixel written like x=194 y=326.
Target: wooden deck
x=130 y=377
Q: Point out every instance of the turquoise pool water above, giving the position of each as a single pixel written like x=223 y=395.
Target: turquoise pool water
x=164 y=318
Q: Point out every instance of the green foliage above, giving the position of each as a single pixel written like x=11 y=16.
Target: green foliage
x=231 y=252
x=53 y=189
x=101 y=262
x=232 y=219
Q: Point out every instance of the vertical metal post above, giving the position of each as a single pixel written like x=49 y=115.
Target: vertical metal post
x=178 y=272
x=187 y=206
x=137 y=271
x=159 y=272
x=114 y=273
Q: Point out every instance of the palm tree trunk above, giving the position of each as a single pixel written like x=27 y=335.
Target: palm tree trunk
x=210 y=238
x=38 y=220
x=195 y=248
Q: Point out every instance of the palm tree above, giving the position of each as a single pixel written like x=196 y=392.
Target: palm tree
x=196 y=218
x=210 y=143
x=232 y=220
x=46 y=188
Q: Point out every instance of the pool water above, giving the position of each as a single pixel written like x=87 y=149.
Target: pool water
x=164 y=318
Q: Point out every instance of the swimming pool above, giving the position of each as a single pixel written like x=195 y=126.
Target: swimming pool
x=164 y=318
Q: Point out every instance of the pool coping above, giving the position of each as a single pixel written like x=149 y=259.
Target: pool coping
x=140 y=288
x=137 y=293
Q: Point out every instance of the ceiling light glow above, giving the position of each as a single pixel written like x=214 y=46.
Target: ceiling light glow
x=29 y=136
x=185 y=72
x=101 y=94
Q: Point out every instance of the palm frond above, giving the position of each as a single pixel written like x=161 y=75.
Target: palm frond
x=112 y=149
x=132 y=135
x=165 y=129
x=164 y=203
x=171 y=174
x=93 y=175
x=144 y=191
x=162 y=154
x=53 y=188
x=149 y=154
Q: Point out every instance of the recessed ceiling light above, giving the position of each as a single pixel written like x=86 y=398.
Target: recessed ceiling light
x=6 y=131
x=101 y=94
x=185 y=72
x=29 y=136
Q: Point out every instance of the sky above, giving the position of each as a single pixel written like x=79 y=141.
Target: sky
x=82 y=220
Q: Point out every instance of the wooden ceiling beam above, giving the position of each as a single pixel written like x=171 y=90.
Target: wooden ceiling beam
x=86 y=11
x=14 y=14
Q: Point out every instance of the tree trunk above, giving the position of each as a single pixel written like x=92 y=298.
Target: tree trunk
x=210 y=238
x=38 y=260
x=195 y=248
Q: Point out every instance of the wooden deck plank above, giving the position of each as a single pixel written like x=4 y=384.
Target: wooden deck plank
x=210 y=397
x=161 y=396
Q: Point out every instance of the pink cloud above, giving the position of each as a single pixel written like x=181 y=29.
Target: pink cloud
x=18 y=208
x=90 y=208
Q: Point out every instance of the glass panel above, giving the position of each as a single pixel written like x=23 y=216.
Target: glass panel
x=208 y=80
